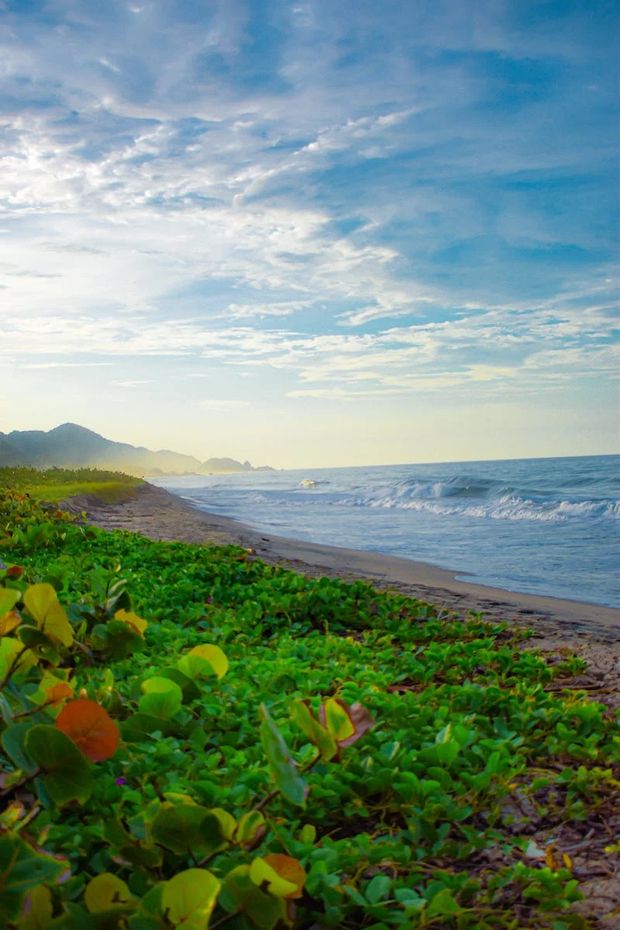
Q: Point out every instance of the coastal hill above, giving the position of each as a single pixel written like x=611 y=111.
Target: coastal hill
x=70 y=446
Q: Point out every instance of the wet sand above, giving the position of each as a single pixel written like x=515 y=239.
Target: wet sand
x=158 y=514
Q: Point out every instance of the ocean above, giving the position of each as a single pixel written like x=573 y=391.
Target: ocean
x=539 y=526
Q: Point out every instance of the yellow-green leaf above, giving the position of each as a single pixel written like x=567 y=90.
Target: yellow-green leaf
x=188 y=898
x=39 y=598
x=227 y=822
x=133 y=620
x=9 y=650
x=57 y=626
x=289 y=869
x=250 y=829
x=334 y=716
x=162 y=697
x=43 y=605
x=264 y=875
x=38 y=909
x=317 y=734
x=346 y=723
x=201 y=661
x=106 y=892
x=11 y=815
x=8 y=599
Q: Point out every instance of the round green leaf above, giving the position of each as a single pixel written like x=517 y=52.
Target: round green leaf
x=189 y=898
x=106 y=892
x=203 y=661
x=67 y=776
x=240 y=893
x=162 y=698
x=187 y=828
x=13 y=742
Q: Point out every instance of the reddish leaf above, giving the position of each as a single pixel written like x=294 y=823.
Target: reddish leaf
x=362 y=722
x=346 y=723
x=58 y=693
x=289 y=869
x=90 y=727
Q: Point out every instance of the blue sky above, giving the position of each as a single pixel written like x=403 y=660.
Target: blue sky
x=312 y=232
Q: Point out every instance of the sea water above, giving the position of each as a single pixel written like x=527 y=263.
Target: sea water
x=541 y=526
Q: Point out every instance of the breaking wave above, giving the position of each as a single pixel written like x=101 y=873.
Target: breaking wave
x=476 y=497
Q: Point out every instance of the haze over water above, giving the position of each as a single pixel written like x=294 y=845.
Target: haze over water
x=539 y=526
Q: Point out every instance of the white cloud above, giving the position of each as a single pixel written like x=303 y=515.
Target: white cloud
x=32 y=366
x=170 y=208
x=500 y=346
x=260 y=311
x=220 y=404
x=137 y=382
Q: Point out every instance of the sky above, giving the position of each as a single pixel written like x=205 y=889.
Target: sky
x=312 y=232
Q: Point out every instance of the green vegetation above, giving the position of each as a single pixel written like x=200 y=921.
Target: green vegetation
x=193 y=739
x=59 y=484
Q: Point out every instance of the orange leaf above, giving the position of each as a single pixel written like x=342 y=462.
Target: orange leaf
x=58 y=693
x=90 y=727
x=289 y=869
x=9 y=622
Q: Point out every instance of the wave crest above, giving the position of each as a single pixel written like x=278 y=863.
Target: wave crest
x=484 y=501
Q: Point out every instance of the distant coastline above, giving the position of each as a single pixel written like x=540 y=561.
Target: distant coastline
x=74 y=446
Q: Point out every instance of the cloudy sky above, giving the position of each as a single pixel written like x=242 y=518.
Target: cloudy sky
x=312 y=232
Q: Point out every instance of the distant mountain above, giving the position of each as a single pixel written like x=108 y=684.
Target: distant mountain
x=70 y=445
x=9 y=455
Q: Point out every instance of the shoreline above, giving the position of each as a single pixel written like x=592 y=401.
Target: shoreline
x=160 y=514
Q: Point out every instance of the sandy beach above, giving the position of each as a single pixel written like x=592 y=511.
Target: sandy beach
x=158 y=514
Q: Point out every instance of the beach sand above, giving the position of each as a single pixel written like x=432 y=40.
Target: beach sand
x=158 y=514
x=561 y=628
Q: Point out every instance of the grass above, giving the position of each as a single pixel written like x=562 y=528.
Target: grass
x=59 y=484
x=294 y=752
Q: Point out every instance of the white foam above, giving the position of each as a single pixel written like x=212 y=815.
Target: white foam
x=506 y=507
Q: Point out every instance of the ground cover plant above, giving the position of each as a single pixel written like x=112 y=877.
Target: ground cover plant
x=58 y=484
x=192 y=738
